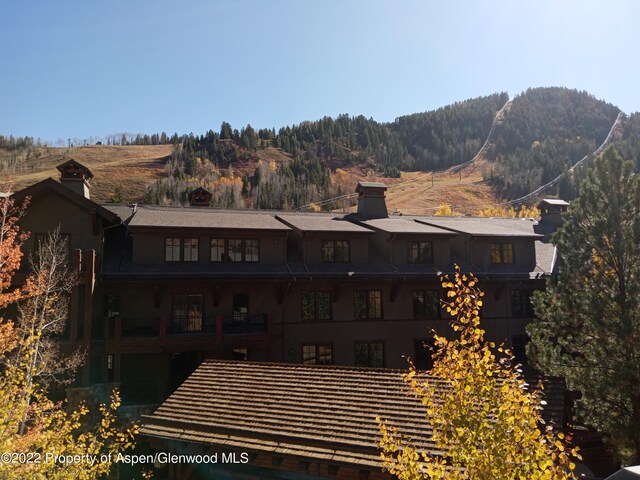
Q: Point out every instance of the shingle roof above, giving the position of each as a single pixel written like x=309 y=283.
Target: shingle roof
x=404 y=225
x=122 y=211
x=484 y=226
x=545 y=257
x=318 y=222
x=186 y=217
x=323 y=413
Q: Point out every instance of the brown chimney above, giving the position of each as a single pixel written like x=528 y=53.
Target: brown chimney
x=75 y=176
x=371 y=200
x=551 y=210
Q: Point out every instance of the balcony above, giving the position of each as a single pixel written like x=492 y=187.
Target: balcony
x=204 y=331
x=243 y=324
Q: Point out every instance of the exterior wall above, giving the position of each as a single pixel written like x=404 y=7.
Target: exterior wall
x=47 y=212
x=397 y=329
x=149 y=246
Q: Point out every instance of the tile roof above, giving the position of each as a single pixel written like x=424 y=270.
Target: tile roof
x=190 y=217
x=323 y=413
x=319 y=222
x=484 y=226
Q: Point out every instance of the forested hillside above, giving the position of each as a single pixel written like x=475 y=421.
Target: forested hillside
x=545 y=132
x=540 y=134
x=447 y=136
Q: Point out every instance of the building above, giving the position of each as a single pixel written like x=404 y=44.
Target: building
x=163 y=288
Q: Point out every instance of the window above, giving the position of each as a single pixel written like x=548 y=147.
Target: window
x=426 y=304
x=368 y=304
x=369 y=354
x=316 y=305
x=177 y=249
x=190 y=250
x=419 y=252
x=521 y=303
x=519 y=348
x=240 y=354
x=172 y=249
x=321 y=354
x=423 y=353
x=335 y=251
x=235 y=250
x=502 y=253
x=187 y=313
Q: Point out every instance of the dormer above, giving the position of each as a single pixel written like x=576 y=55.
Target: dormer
x=200 y=197
x=551 y=210
x=371 y=200
x=75 y=177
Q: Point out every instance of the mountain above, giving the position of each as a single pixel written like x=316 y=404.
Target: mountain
x=486 y=149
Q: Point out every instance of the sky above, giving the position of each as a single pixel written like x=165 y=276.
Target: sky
x=81 y=69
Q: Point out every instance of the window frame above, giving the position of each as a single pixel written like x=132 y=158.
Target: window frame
x=317 y=353
x=191 y=249
x=369 y=344
x=425 y=315
x=522 y=296
x=368 y=305
x=173 y=249
x=415 y=246
x=246 y=250
x=499 y=249
x=334 y=251
x=316 y=306
x=190 y=324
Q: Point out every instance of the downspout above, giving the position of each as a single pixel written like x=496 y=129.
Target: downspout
x=134 y=209
x=304 y=251
x=102 y=244
x=392 y=237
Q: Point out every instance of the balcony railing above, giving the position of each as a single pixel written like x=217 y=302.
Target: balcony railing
x=205 y=325
x=242 y=324
x=160 y=327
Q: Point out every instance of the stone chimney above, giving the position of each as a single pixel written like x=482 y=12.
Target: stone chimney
x=551 y=210
x=371 y=200
x=75 y=176
x=200 y=197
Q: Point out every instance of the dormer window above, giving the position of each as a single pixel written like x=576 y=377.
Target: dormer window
x=502 y=253
x=419 y=252
x=335 y=251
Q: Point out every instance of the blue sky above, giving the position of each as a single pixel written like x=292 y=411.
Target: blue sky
x=75 y=69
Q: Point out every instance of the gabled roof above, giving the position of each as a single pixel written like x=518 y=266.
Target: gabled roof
x=50 y=184
x=320 y=222
x=484 y=226
x=320 y=413
x=189 y=217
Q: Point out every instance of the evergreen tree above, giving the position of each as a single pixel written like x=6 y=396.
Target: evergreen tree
x=588 y=326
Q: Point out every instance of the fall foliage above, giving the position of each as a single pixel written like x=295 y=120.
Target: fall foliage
x=486 y=421
x=33 y=428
